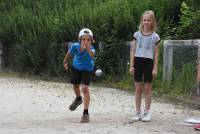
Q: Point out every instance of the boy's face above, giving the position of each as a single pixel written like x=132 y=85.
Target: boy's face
x=86 y=40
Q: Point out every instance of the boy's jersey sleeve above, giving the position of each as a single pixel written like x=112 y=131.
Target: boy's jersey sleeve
x=93 y=50
x=72 y=50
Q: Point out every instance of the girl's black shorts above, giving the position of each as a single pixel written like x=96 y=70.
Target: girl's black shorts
x=143 y=68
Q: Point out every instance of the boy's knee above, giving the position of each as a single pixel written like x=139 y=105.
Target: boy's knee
x=85 y=89
x=75 y=86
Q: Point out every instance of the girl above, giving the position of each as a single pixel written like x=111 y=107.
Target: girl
x=144 y=62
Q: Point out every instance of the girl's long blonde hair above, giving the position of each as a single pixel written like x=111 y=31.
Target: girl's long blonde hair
x=154 y=24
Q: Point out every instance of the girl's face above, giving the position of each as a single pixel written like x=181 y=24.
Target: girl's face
x=86 y=40
x=147 y=22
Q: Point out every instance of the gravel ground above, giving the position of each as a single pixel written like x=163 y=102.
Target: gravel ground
x=38 y=107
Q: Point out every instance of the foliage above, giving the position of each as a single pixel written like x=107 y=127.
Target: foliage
x=34 y=32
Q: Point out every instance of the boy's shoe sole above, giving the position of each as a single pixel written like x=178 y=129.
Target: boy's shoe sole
x=75 y=104
x=85 y=118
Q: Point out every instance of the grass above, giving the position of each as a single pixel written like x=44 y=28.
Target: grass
x=27 y=75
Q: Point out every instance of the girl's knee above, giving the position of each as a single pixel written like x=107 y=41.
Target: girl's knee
x=147 y=91
x=138 y=91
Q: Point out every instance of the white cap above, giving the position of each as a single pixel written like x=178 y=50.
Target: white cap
x=85 y=31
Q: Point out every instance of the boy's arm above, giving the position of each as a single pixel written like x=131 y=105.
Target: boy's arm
x=67 y=56
x=91 y=53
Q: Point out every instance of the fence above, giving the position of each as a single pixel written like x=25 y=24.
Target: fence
x=1 y=55
x=178 y=53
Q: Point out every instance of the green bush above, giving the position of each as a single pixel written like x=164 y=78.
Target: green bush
x=188 y=27
x=32 y=31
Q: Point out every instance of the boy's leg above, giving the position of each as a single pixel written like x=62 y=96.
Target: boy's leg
x=77 y=90
x=78 y=100
x=86 y=95
x=86 y=102
x=75 y=80
x=86 y=77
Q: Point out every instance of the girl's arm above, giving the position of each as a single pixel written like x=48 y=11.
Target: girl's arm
x=155 y=66
x=132 y=55
x=198 y=71
x=156 y=57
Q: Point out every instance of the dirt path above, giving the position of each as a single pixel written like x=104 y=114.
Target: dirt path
x=39 y=107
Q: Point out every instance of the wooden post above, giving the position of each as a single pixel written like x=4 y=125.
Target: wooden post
x=168 y=61
x=1 y=55
x=198 y=70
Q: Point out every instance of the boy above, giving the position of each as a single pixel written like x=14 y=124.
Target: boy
x=82 y=53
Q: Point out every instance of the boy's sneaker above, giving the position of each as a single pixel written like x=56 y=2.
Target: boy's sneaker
x=146 y=117
x=197 y=127
x=85 y=118
x=137 y=116
x=75 y=104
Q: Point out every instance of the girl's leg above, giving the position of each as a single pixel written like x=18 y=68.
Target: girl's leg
x=138 y=96
x=138 y=99
x=148 y=95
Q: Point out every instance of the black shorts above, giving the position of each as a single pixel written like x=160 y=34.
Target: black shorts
x=80 y=76
x=143 y=68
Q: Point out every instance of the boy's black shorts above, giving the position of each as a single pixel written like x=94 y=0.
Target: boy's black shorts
x=80 y=76
x=143 y=68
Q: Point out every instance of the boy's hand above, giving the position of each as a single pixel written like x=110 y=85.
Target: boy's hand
x=87 y=46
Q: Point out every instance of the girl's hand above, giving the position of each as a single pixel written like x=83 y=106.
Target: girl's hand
x=65 y=66
x=198 y=78
x=154 y=73
x=131 y=71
